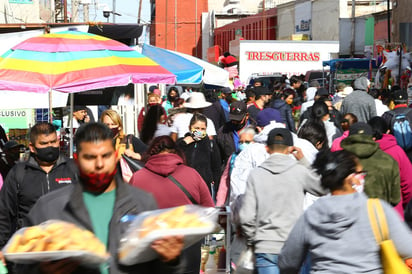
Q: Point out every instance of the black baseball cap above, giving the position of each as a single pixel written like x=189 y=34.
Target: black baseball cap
x=360 y=128
x=286 y=137
x=238 y=110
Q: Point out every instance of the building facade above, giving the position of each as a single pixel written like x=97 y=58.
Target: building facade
x=177 y=25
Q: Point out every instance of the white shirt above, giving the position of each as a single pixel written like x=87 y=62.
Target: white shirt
x=181 y=125
x=380 y=107
x=162 y=130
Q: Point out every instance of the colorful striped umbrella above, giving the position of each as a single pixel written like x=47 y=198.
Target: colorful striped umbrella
x=74 y=61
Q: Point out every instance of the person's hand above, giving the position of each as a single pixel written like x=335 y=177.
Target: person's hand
x=130 y=153
x=168 y=248
x=188 y=139
x=65 y=266
x=86 y=118
x=2 y=258
x=297 y=152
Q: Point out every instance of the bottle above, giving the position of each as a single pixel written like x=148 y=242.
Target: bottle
x=211 y=267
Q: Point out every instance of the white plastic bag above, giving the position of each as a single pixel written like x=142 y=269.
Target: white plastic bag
x=246 y=262
x=191 y=221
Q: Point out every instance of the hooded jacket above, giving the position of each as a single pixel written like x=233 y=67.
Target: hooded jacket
x=273 y=201
x=382 y=180
x=24 y=185
x=336 y=232
x=359 y=102
x=153 y=179
x=286 y=113
x=389 y=145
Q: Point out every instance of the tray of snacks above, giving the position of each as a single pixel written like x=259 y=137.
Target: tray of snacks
x=55 y=240
x=192 y=221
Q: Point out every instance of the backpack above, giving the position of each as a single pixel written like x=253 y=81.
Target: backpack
x=401 y=129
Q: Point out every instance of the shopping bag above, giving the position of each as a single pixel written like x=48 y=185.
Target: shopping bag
x=246 y=262
x=392 y=263
x=128 y=166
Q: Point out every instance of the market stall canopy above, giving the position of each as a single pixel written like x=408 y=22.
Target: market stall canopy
x=74 y=61
x=212 y=75
x=350 y=63
x=187 y=72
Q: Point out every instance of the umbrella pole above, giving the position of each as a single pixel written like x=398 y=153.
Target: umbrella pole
x=71 y=125
x=50 y=107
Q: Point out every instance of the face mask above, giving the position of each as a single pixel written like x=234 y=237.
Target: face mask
x=238 y=127
x=361 y=178
x=97 y=183
x=198 y=135
x=115 y=131
x=243 y=146
x=47 y=154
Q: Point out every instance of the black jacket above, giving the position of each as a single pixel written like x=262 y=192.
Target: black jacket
x=286 y=113
x=24 y=185
x=204 y=157
x=215 y=113
x=68 y=205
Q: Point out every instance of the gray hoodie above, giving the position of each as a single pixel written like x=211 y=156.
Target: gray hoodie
x=273 y=201
x=336 y=232
x=359 y=102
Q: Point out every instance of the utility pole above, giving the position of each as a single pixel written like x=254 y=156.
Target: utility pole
x=114 y=11
x=352 y=43
x=65 y=10
x=264 y=25
x=86 y=12
x=389 y=21
x=75 y=11
x=139 y=12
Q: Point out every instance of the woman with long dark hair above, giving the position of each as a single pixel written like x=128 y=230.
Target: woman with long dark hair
x=335 y=232
x=154 y=124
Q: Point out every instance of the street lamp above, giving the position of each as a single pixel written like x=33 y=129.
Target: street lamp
x=107 y=12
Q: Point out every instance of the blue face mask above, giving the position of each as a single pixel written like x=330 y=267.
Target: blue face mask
x=243 y=146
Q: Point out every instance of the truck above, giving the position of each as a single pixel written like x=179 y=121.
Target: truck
x=285 y=57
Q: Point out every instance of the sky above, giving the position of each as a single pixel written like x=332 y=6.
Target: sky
x=127 y=8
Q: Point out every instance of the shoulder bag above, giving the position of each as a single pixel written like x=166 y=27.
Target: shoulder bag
x=391 y=262
x=182 y=188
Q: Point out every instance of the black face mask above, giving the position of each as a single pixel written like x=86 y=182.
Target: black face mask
x=47 y=154
x=239 y=126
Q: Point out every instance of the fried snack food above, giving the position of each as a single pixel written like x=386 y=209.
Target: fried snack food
x=172 y=219
x=55 y=236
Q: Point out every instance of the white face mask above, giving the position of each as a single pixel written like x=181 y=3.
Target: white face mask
x=361 y=178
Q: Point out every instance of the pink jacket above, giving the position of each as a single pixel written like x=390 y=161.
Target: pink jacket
x=388 y=144
x=336 y=143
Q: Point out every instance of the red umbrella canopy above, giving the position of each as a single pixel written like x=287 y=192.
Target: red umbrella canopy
x=74 y=61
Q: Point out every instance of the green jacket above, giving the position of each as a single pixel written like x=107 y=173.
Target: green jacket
x=382 y=180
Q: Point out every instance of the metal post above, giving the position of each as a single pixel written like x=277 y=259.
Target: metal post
x=389 y=22
x=352 y=43
x=114 y=11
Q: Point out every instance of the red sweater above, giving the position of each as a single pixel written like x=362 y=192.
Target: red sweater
x=153 y=178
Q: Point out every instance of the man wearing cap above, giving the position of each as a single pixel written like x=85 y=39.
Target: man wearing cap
x=196 y=103
x=262 y=97
x=228 y=135
x=46 y=170
x=79 y=117
x=273 y=200
x=400 y=99
x=359 y=102
x=382 y=180
x=9 y=157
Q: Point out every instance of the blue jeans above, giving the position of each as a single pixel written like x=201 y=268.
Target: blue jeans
x=267 y=263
